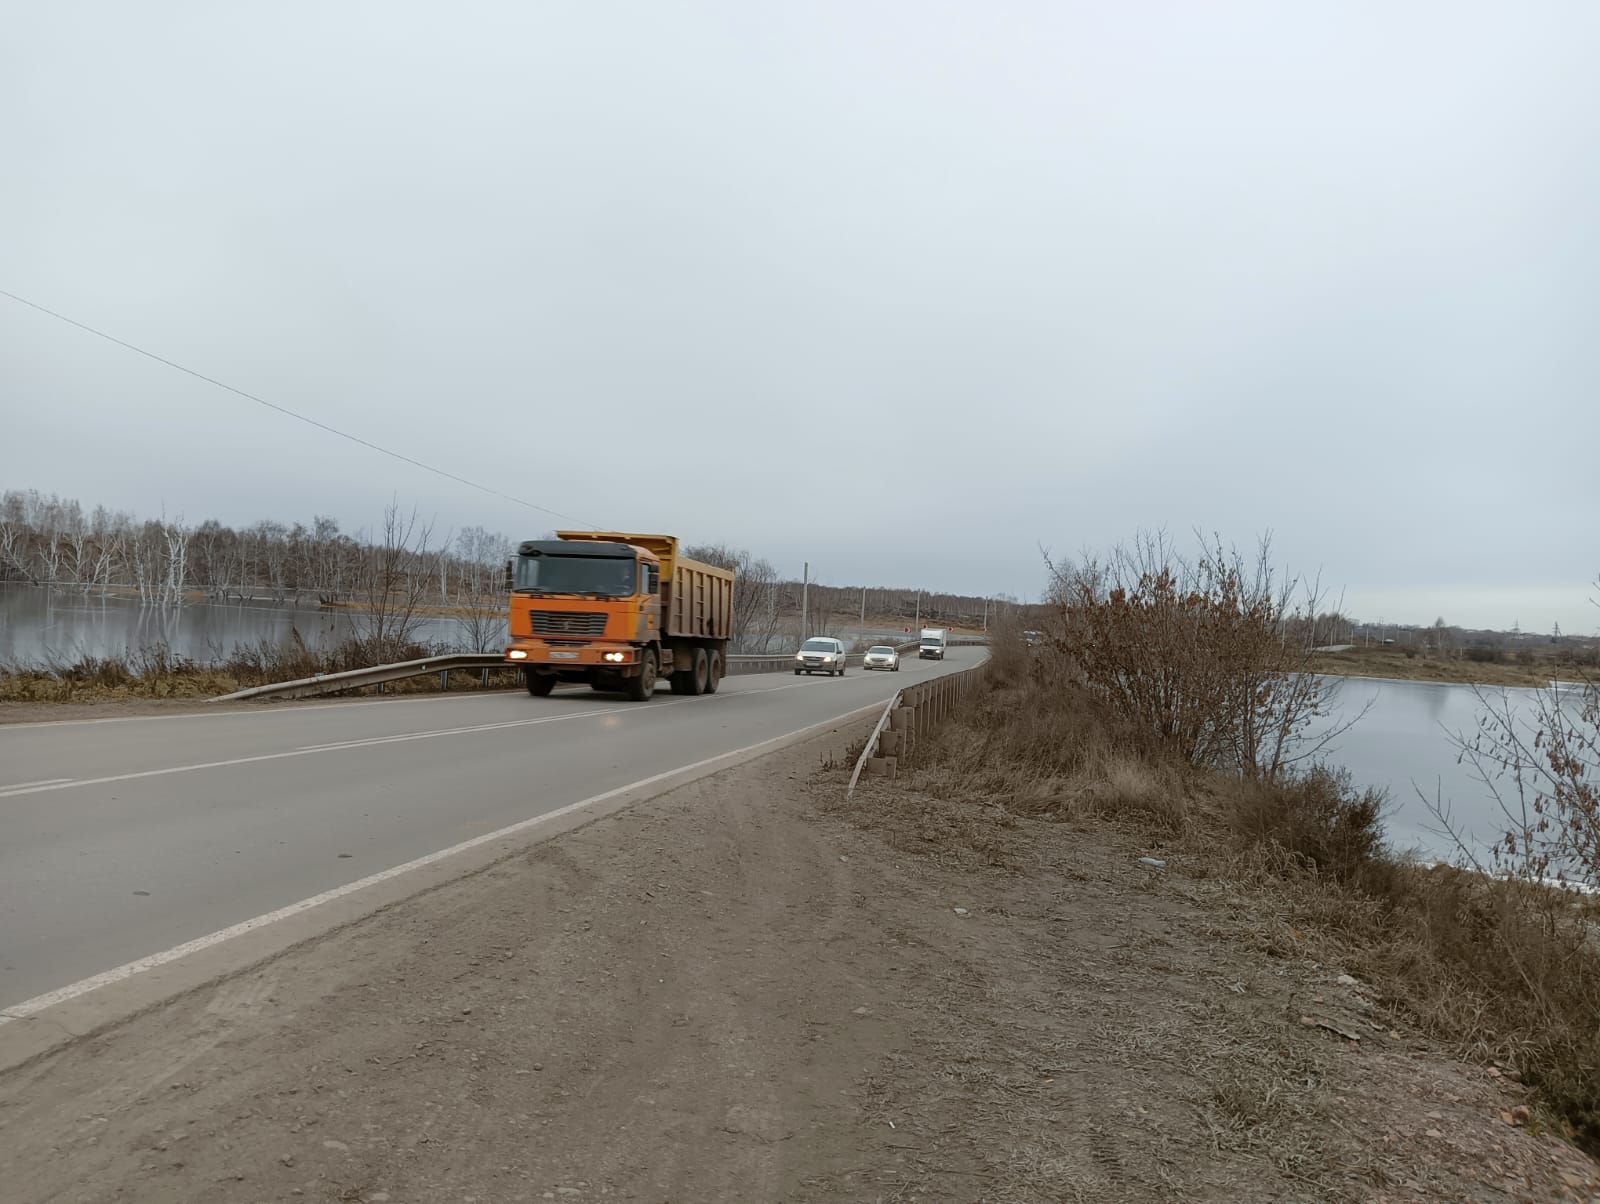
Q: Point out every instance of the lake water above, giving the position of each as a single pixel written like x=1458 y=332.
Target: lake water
x=1403 y=745
x=38 y=626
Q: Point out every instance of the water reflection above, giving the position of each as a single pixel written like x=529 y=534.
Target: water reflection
x=1404 y=746
x=40 y=626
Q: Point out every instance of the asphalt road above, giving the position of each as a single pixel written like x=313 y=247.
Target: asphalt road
x=121 y=838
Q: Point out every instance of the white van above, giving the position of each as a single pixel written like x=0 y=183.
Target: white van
x=932 y=645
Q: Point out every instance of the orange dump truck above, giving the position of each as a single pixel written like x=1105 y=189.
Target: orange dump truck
x=617 y=611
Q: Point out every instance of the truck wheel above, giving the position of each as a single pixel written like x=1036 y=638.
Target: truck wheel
x=641 y=687
x=540 y=684
x=714 y=673
x=797 y=673
x=702 y=669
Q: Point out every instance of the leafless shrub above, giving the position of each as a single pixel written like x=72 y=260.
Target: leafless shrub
x=1542 y=767
x=1210 y=654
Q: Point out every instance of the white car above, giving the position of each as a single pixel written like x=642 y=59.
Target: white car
x=881 y=657
x=820 y=654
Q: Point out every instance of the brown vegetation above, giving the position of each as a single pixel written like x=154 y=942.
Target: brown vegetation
x=1407 y=663
x=1208 y=654
x=156 y=672
x=1504 y=971
x=1134 y=714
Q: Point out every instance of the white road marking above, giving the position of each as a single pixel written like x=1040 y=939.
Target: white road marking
x=401 y=737
x=41 y=787
x=39 y=1003
x=259 y=710
x=71 y=783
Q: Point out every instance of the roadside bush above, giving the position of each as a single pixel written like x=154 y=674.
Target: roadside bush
x=1009 y=656
x=1211 y=655
x=1484 y=654
x=1318 y=819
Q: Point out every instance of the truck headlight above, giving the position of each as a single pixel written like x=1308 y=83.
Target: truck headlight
x=616 y=656
x=517 y=654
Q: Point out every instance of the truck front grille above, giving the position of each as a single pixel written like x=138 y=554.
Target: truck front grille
x=561 y=622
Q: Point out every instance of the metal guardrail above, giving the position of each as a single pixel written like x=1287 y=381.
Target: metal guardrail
x=377 y=675
x=491 y=662
x=910 y=718
x=480 y=662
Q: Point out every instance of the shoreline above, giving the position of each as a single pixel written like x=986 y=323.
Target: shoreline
x=1468 y=673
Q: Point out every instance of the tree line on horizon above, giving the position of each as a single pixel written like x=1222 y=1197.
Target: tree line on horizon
x=54 y=542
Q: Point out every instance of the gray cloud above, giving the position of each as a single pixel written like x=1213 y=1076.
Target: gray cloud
x=1068 y=269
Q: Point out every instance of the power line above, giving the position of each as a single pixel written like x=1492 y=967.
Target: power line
x=272 y=405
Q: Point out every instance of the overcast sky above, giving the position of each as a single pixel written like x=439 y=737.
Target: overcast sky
x=902 y=289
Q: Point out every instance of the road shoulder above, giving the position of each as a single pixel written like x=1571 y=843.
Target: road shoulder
x=739 y=991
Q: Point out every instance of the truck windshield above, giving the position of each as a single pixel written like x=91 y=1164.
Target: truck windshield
x=611 y=576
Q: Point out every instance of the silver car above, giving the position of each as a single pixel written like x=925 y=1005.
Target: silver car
x=881 y=657
x=820 y=654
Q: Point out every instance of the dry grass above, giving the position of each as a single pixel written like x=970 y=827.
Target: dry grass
x=156 y=672
x=1503 y=972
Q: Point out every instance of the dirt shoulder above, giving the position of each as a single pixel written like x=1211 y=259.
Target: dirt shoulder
x=741 y=991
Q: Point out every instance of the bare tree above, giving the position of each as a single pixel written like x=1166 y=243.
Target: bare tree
x=16 y=560
x=755 y=592
x=393 y=577
x=481 y=594
x=1540 y=762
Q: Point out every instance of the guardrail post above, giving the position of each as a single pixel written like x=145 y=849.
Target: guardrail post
x=902 y=726
x=444 y=679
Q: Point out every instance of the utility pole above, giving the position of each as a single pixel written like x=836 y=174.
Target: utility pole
x=916 y=625
x=805 y=595
x=986 y=614
x=863 y=632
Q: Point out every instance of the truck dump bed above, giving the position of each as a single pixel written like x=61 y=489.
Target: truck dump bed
x=696 y=598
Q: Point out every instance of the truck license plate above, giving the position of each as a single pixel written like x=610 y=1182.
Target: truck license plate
x=563 y=656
